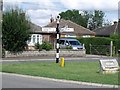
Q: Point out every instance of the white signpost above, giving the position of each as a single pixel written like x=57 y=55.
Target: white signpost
x=109 y=65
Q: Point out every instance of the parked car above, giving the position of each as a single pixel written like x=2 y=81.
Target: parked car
x=73 y=43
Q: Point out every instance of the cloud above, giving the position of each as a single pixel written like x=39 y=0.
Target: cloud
x=40 y=10
x=90 y=4
x=41 y=16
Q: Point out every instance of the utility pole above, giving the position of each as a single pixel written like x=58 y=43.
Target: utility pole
x=57 y=41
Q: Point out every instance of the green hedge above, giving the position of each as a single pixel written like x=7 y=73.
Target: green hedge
x=94 y=41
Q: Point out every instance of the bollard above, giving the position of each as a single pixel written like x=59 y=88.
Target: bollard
x=62 y=62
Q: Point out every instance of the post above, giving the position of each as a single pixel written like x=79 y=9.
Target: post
x=62 y=62
x=57 y=41
x=83 y=46
x=111 y=46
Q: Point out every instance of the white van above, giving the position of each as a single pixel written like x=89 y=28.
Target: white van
x=75 y=44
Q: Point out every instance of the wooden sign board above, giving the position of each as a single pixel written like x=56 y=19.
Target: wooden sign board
x=109 y=65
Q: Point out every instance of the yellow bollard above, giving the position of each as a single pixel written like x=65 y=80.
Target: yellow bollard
x=62 y=62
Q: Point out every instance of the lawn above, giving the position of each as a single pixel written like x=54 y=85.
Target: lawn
x=77 y=71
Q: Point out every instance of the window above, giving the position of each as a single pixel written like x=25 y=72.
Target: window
x=33 y=38
x=74 y=43
x=38 y=39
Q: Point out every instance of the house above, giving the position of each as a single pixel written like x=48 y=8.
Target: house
x=107 y=31
x=38 y=35
x=71 y=29
x=48 y=33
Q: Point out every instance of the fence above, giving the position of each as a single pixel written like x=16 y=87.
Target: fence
x=108 y=50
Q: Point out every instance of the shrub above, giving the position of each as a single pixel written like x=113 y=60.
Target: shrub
x=94 y=41
x=47 y=46
x=68 y=47
x=38 y=46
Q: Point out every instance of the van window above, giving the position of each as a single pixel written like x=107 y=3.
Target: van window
x=74 y=43
x=61 y=42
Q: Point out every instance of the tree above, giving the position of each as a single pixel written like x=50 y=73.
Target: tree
x=15 y=30
x=96 y=20
x=91 y=20
x=74 y=16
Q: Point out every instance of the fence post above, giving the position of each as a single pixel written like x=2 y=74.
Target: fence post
x=111 y=48
x=83 y=46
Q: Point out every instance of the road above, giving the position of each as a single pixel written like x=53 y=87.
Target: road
x=16 y=81
x=78 y=59
x=11 y=81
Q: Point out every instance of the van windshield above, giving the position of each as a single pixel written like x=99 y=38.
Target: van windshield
x=74 y=42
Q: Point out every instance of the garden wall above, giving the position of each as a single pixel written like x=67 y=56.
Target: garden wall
x=68 y=53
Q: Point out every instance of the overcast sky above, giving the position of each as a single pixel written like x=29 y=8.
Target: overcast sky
x=40 y=11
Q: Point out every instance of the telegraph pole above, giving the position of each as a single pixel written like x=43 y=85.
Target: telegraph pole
x=57 y=41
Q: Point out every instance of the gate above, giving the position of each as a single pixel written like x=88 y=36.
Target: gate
x=100 y=49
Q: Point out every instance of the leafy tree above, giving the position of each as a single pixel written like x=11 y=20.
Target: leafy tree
x=91 y=20
x=15 y=30
x=74 y=16
x=96 y=19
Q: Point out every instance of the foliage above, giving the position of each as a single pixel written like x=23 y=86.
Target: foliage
x=45 y=45
x=15 y=30
x=74 y=16
x=114 y=36
x=116 y=41
x=91 y=20
x=38 y=46
x=94 y=41
x=96 y=20
x=68 y=47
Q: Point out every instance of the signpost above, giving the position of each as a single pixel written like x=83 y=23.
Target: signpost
x=109 y=65
x=57 y=42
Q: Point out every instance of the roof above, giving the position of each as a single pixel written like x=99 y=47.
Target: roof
x=35 y=28
x=79 y=30
x=107 y=31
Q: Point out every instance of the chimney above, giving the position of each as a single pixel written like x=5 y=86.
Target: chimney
x=115 y=22
x=51 y=19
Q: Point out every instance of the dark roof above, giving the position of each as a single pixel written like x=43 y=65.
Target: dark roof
x=79 y=30
x=35 y=28
x=107 y=31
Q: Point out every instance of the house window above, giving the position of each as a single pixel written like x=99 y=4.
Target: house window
x=33 y=38
x=38 y=39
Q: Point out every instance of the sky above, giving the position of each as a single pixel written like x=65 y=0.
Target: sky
x=40 y=11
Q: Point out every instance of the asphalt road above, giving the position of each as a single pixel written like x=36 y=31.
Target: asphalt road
x=13 y=81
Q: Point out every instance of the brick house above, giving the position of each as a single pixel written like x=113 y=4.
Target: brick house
x=71 y=29
x=48 y=32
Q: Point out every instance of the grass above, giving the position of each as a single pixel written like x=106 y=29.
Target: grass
x=77 y=71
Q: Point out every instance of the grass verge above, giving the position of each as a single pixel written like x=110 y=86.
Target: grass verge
x=77 y=71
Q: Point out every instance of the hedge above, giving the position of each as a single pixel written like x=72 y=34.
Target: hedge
x=99 y=41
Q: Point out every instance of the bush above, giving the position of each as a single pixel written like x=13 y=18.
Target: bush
x=94 y=41
x=68 y=47
x=46 y=46
x=38 y=46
